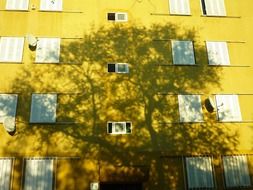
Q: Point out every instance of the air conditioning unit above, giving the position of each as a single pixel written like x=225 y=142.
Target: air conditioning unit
x=210 y=104
x=9 y=124
x=122 y=127
x=94 y=186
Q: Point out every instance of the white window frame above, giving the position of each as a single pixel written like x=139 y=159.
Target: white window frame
x=48 y=5
x=17 y=5
x=187 y=112
x=235 y=167
x=228 y=108
x=5 y=112
x=217 y=53
x=200 y=173
x=33 y=178
x=48 y=50
x=117 y=16
x=6 y=167
x=114 y=132
x=11 y=49
x=210 y=11
x=51 y=114
x=181 y=57
x=117 y=68
x=179 y=7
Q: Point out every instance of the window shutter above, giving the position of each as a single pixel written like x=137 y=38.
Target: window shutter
x=5 y=173
x=179 y=7
x=38 y=174
x=217 y=53
x=215 y=7
x=228 y=108
x=43 y=108
x=48 y=50
x=182 y=53
x=11 y=49
x=190 y=109
x=236 y=171
x=199 y=172
x=51 y=5
x=17 y=4
x=8 y=106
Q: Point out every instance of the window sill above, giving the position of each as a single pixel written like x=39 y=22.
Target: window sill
x=11 y=62
x=52 y=123
x=169 y=14
x=220 y=16
x=57 y=63
x=172 y=65
x=61 y=11
x=14 y=10
x=229 y=65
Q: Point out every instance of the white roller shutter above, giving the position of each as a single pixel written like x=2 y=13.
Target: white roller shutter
x=51 y=5
x=38 y=174
x=199 y=172
x=215 y=7
x=190 y=109
x=228 y=108
x=217 y=53
x=8 y=106
x=11 y=49
x=5 y=173
x=179 y=7
x=182 y=52
x=48 y=50
x=43 y=108
x=236 y=171
x=17 y=4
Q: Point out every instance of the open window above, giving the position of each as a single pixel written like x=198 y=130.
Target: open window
x=199 y=172
x=119 y=127
x=118 y=68
x=17 y=5
x=213 y=7
x=38 y=174
x=117 y=17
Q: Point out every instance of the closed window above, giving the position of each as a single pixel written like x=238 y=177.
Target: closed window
x=236 y=171
x=228 y=108
x=43 y=108
x=5 y=173
x=17 y=4
x=119 y=127
x=118 y=67
x=217 y=53
x=213 y=7
x=38 y=174
x=11 y=49
x=182 y=53
x=48 y=50
x=117 y=17
x=51 y=5
x=8 y=106
x=181 y=7
x=190 y=108
x=199 y=172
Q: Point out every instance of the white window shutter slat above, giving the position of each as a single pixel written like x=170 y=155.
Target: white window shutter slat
x=182 y=52
x=5 y=173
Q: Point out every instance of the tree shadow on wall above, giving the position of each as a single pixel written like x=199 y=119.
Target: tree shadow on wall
x=147 y=96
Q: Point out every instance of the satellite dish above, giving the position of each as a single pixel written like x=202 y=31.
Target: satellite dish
x=9 y=124
x=32 y=40
x=210 y=104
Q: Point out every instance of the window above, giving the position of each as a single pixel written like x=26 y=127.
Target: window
x=217 y=53
x=236 y=171
x=228 y=108
x=199 y=172
x=38 y=174
x=190 y=109
x=17 y=4
x=8 y=106
x=117 y=17
x=48 y=50
x=181 y=7
x=51 y=5
x=118 y=67
x=11 y=49
x=213 y=7
x=43 y=108
x=119 y=127
x=5 y=173
x=182 y=52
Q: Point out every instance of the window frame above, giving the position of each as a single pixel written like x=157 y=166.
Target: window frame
x=10 y=177
x=116 y=17
x=42 y=9
x=177 y=12
x=10 y=7
x=204 y=10
x=114 y=132
x=15 y=105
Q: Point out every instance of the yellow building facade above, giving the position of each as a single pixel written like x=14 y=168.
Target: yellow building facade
x=134 y=94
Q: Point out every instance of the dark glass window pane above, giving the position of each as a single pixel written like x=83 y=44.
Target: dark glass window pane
x=111 y=67
x=111 y=16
